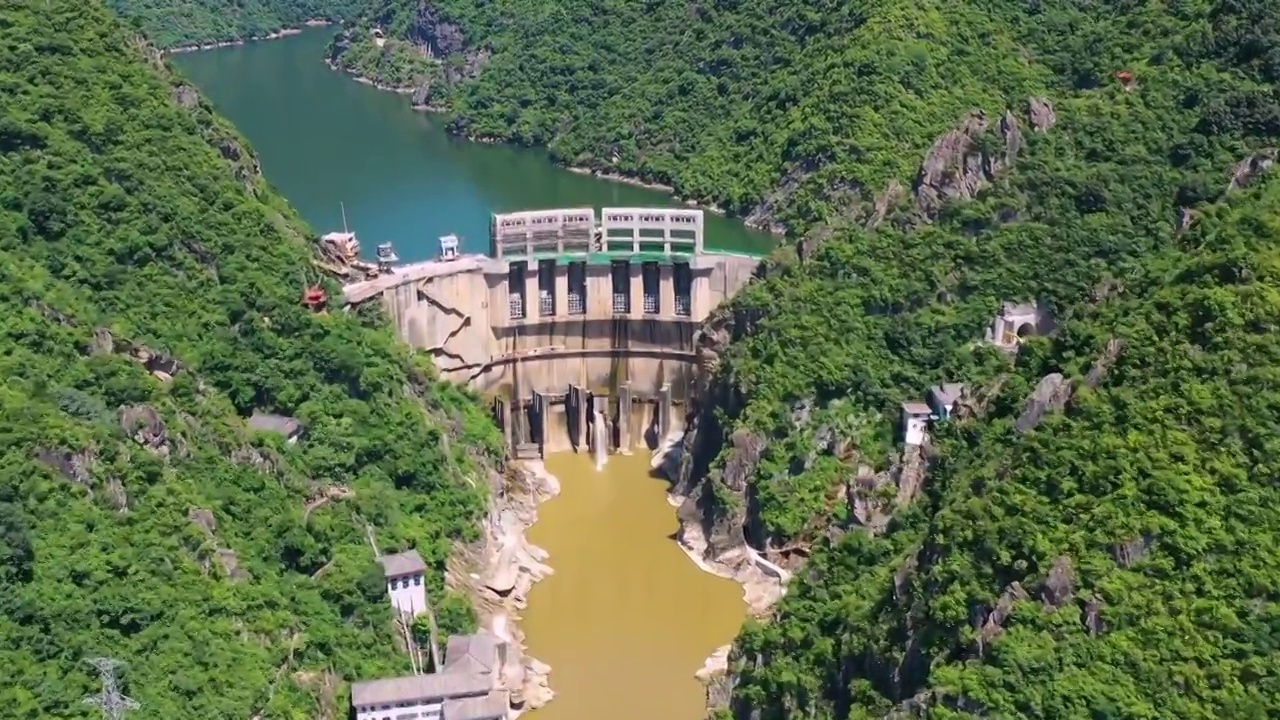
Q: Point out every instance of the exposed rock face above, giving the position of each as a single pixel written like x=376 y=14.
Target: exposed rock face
x=991 y=621
x=964 y=161
x=1051 y=395
x=146 y=427
x=185 y=96
x=1251 y=168
x=873 y=497
x=1059 y=586
x=1042 y=115
x=244 y=164
x=498 y=572
x=204 y=518
x=74 y=466
x=1054 y=392
x=430 y=30
x=1131 y=552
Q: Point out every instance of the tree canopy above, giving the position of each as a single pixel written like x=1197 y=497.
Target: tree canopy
x=152 y=303
x=1101 y=548
x=181 y=23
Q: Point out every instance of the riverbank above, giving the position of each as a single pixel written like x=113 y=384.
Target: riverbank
x=763 y=583
x=498 y=571
x=610 y=176
x=284 y=33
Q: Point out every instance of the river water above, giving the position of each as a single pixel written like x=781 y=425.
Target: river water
x=626 y=619
x=325 y=141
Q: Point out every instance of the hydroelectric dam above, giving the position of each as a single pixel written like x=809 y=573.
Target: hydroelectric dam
x=581 y=328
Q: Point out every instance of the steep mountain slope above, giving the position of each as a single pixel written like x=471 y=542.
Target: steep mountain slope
x=723 y=101
x=1095 y=539
x=177 y=23
x=152 y=303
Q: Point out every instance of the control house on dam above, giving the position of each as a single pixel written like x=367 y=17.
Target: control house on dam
x=581 y=329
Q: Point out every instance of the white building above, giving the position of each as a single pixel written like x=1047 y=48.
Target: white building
x=1014 y=322
x=468 y=687
x=915 y=421
x=283 y=425
x=942 y=399
x=405 y=573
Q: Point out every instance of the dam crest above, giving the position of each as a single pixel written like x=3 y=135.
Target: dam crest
x=569 y=320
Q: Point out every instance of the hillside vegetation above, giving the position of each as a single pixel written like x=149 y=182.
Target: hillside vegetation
x=1097 y=538
x=152 y=302
x=181 y=23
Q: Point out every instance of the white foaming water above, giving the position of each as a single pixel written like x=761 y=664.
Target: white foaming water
x=598 y=433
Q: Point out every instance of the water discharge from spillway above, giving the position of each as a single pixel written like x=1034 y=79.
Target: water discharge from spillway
x=599 y=438
x=627 y=618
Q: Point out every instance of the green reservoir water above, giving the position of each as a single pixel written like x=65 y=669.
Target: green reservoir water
x=326 y=140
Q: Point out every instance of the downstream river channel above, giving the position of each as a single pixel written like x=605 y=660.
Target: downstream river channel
x=626 y=619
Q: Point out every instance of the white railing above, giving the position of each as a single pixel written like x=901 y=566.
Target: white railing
x=515 y=304
x=577 y=303
x=546 y=304
x=621 y=303
x=651 y=303
x=684 y=305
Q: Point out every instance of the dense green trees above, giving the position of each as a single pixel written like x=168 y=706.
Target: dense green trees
x=170 y=23
x=152 y=302
x=1115 y=561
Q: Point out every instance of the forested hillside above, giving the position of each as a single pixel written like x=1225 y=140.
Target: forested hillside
x=1096 y=537
x=152 y=303
x=180 y=23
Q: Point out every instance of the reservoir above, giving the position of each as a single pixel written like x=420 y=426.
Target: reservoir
x=627 y=618
x=325 y=141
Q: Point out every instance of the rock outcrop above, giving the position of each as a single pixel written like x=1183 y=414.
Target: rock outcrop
x=498 y=571
x=965 y=160
x=145 y=426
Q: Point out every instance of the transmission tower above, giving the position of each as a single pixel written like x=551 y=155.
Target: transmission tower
x=114 y=704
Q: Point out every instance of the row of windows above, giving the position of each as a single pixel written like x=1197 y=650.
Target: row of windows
x=653 y=219
x=404 y=581
x=546 y=220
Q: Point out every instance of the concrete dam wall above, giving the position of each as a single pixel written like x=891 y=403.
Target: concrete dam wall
x=565 y=315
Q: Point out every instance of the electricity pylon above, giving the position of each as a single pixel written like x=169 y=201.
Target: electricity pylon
x=114 y=704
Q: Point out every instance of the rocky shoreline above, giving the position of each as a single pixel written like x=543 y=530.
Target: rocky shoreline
x=577 y=169
x=286 y=32
x=498 y=571
x=763 y=583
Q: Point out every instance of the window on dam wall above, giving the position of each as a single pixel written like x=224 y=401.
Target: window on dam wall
x=621 y=287
x=577 y=288
x=683 y=280
x=515 y=289
x=546 y=288
x=651 y=279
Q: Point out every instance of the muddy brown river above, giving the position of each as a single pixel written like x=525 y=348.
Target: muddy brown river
x=627 y=618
